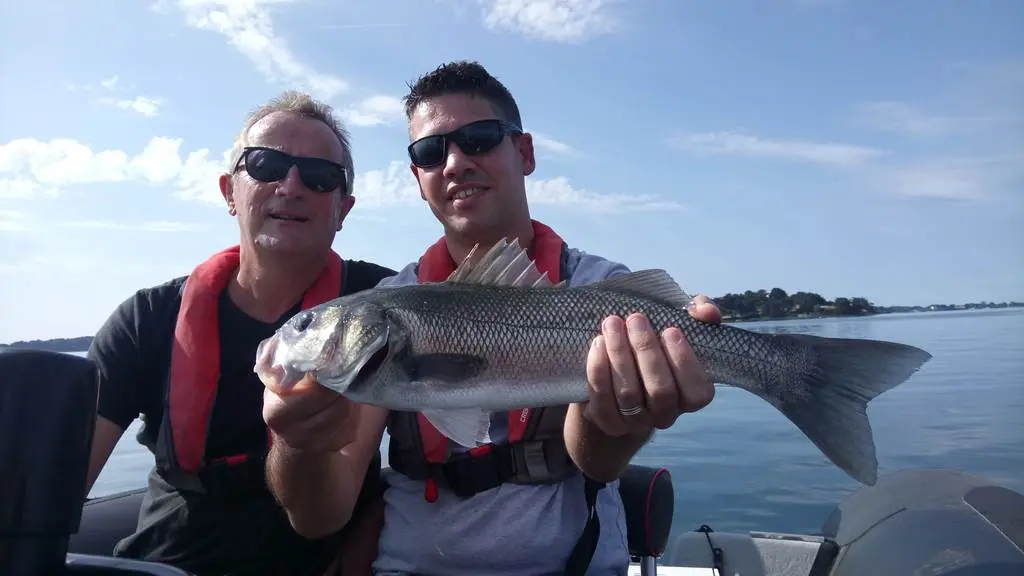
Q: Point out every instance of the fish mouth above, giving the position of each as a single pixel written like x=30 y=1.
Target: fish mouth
x=372 y=364
x=347 y=379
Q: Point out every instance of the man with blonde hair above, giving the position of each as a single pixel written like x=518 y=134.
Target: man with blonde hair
x=181 y=354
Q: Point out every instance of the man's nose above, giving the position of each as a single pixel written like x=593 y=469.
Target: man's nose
x=292 y=183
x=456 y=161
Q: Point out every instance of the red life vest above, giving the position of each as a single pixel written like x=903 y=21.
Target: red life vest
x=195 y=364
x=535 y=451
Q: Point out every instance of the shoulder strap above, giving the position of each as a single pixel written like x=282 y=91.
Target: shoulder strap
x=586 y=545
x=583 y=552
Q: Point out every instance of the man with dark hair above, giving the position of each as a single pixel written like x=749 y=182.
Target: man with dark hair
x=523 y=504
x=181 y=354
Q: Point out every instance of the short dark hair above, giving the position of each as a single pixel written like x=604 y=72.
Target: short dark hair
x=463 y=77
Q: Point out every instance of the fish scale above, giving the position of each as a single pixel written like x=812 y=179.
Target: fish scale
x=499 y=336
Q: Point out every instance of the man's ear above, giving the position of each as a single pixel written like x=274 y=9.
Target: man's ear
x=343 y=209
x=227 y=191
x=416 y=176
x=524 y=145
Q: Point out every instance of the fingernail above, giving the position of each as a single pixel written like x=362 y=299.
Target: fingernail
x=673 y=335
x=637 y=323
x=612 y=326
x=691 y=305
x=595 y=342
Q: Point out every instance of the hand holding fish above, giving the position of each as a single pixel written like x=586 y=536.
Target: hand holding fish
x=310 y=417
x=640 y=380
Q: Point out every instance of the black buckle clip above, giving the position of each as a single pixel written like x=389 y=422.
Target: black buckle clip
x=467 y=475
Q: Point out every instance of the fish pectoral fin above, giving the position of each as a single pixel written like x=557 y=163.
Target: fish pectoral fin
x=469 y=427
x=444 y=367
x=655 y=284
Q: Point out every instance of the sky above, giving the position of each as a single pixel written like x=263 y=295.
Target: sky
x=869 y=148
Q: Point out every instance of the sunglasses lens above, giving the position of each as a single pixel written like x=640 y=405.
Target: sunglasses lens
x=317 y=174
x=473 y=139
x=267 y=165
x=479 y=137
x=320 y=175
x=427 y=151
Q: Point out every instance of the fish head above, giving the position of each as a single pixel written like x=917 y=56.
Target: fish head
x=334 y=342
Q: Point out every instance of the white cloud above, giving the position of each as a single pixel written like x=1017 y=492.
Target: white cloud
x=559 y=192
x=143 y=105
x=826 y=153
x=970 y=179
x=375 y=110
x=389 y=187
x=395 y=186
x=552 y=146
x=249 y=28
x=552 y=20
x=22 y=188
x=12 y=221
x=29 y=167
x=199 y=174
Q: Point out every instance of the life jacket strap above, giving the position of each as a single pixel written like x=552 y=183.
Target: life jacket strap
x=222 y=476
x=466 y=474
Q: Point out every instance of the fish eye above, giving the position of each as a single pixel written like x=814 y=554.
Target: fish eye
x=303 y=321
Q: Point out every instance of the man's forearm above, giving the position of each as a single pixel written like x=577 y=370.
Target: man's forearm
x=598 y=455
x=317 y=490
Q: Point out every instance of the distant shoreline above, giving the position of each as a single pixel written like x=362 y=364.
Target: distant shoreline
x=763 y=309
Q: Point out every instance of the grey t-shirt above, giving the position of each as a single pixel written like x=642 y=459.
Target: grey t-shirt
x=511 y=529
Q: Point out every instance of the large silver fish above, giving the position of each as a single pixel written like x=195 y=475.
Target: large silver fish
x=498 y=335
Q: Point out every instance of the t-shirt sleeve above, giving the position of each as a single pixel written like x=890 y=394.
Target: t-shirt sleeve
x=590 y=269
x=115 y=351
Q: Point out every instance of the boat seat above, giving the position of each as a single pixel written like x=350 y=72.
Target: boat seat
x=649 y=502
x=44 y=471
x=754 y=554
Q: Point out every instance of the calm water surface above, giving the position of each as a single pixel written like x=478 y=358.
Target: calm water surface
x=740 y=465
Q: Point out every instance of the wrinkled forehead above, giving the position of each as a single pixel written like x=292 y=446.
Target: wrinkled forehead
x=446 y=113
x=296 y=135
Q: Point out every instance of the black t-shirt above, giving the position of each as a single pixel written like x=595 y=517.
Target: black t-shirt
x=237 y=530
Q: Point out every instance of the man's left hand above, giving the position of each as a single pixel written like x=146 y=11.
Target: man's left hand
x=640 y=380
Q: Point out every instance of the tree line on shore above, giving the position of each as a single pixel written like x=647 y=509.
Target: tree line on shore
x=778 y=304
x=774 y=304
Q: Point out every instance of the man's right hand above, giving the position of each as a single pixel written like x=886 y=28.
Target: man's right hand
x=311 y=418
x=323 y=444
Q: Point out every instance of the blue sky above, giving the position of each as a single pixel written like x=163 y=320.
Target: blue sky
x=862 y=148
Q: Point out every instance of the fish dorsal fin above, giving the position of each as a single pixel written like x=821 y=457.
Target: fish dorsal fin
x=505 y=264
x=655 y=284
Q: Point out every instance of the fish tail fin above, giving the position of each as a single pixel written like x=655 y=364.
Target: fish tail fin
x=843 y=377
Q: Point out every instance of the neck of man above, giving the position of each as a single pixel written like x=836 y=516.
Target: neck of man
x=459 y=245
x=268 y=284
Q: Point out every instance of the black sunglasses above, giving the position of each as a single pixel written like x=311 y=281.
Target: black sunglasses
x=473 y=139
x=270 y=165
